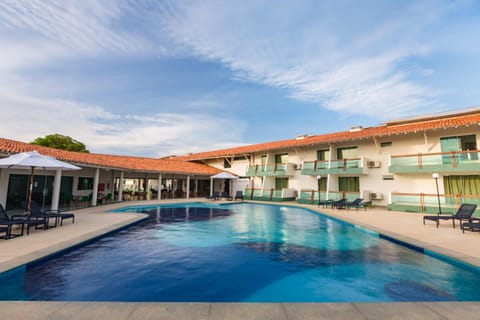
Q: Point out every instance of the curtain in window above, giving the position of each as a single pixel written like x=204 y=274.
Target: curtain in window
x=322 y=184
x=349 y=184
x=281 y=183
x=462 y=185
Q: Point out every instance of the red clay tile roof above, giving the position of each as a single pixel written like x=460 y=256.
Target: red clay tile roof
x=428 y=123
x=111 y=161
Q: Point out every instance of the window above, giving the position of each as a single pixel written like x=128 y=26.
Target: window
x=264 y=160
x=323 y=155
x=322 y=184
x=281 y=158
x=349 y=184
x=458 y=143
x=85 y=183
x=281 y=183
x=226 y=163
x=347 y=153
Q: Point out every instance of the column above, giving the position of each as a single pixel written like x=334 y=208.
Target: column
x=187 y=196
x=196 y=187
x=159 y=195
x=120 y=187
x=4 y=178
x=211 y=187
x=96 y=178
x=56 y=190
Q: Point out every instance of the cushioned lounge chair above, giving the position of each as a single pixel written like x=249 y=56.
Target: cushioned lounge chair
x=56 y=214
x=7 y=223
x=464 y=212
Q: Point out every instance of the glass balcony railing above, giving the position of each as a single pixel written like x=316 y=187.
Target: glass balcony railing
x=278 y=169
x=461 y=161
x=428 y=203
x=268 y=194
x=343 y=166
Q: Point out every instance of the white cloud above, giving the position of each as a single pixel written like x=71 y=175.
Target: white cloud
x=347 y=61
x=83 y=26
x=159 y=134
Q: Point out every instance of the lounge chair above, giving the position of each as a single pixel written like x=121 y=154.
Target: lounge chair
x=464 y=212
x=340 y=204
x=215 y=196
x=6 y=223
x=357 y=203
x=472 y=224
x=226 y=196
x=4 y=229
x=58 y=216
x=238 y=195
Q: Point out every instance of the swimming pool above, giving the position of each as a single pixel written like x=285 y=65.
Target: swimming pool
x=241 y=253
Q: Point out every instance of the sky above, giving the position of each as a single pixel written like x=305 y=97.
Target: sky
x=156 y=78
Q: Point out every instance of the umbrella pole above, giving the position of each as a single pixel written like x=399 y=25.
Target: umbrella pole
x=30 y=191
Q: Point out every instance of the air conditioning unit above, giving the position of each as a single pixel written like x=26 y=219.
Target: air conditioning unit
x=373 y=164
x=376 y=196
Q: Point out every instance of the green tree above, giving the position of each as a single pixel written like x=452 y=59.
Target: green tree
x=62 y=142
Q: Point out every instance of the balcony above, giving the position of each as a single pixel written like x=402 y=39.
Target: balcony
x=344 y=166
x=311 y=196
x=461 y=161
x=277 y=195
x=428 y=203
x=275 y=170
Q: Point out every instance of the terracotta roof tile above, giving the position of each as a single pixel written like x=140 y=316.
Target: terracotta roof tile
x=111 y=161
x=392 y=128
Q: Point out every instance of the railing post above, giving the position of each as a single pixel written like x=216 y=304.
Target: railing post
x=454 y=159
x=315 y=166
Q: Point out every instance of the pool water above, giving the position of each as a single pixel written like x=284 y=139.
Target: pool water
x=241 y=253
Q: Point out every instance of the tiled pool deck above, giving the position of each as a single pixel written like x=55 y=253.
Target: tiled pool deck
x=93 y=222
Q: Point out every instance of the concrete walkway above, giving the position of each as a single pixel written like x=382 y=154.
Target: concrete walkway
x=93 y=222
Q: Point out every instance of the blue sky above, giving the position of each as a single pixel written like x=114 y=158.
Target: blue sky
x=154 y=78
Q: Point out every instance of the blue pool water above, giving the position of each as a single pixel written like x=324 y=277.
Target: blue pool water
x=241 y=253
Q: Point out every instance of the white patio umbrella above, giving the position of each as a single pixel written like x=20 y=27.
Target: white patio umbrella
x=33 y=160
x=224 y=175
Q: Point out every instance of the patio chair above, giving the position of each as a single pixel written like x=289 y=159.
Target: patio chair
x=464 y=212
x=357 y=203
x=238 y=195
x=57 y=214
x=6 y=223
